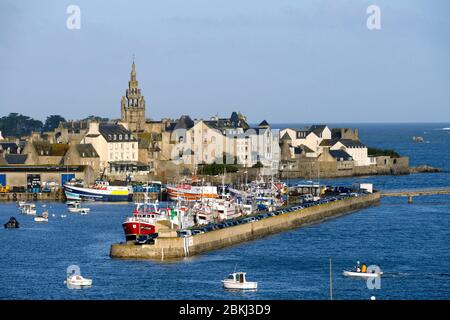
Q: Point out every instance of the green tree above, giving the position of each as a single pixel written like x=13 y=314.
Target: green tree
x=17 y=125
x=52 y=122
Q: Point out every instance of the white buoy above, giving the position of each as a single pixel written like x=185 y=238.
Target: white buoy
x=373 y=298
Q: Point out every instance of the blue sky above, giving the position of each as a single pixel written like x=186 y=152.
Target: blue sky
x=283 y=61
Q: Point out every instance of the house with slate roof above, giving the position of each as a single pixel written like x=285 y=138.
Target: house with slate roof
x=116 y=147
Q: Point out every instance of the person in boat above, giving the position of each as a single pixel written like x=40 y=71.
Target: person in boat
x=361 y=267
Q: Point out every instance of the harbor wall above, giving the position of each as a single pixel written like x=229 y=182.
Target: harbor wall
x=176 y=248
x=308 y=168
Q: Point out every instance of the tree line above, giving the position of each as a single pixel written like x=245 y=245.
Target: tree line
x=19 y=125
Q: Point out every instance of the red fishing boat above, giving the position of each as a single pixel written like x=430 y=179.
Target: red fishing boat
x=141 y=225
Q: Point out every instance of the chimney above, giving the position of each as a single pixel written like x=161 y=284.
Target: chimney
x=94 y=127
x=356 y=133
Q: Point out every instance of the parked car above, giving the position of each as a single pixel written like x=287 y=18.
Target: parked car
x=184 y=233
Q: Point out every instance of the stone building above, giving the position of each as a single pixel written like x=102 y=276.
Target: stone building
x=83 y=155
x=133 y=104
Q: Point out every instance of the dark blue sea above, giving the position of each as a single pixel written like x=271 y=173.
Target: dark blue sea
x=409 y=242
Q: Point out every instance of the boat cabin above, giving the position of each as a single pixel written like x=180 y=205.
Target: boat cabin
x=237 y=277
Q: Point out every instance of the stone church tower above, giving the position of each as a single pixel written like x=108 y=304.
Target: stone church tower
x=133 y=104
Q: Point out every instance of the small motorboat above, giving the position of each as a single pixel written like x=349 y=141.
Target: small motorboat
x=12 y=223
x=20 y=204
x=76 y=208
x=78 y=281
x=63 y=216
x=42 y=218
x=28 y=209
x=361 y=272
x=237 y=280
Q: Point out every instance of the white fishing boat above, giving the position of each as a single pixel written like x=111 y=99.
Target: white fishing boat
x=237 y=280
x=78 y=281
x=76 y=208
x=28 y=209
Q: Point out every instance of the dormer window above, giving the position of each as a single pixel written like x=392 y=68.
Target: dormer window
x=109 y=137
x=115 y=137
x=126 y=137
x=120 y=137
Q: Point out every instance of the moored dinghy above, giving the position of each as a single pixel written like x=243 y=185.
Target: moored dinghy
x=12 y=223
x=362 y=272
x=78 y=281
x=238 y=281
x=42 y=218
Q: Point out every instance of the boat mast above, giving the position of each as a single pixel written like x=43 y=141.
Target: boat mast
x=331 y=283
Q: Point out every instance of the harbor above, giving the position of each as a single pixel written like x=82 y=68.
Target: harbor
x=168 y=246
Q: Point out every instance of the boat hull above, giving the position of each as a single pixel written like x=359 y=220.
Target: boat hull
x=239 y=286
x=192 y=193
x=79 y=193
x=133 y=229
x=361 y=274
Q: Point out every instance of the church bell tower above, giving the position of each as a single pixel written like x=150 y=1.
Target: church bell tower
x=133 y=104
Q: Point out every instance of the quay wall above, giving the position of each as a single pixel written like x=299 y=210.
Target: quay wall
x=57 y=195
x=309 y=168
x=176 y=248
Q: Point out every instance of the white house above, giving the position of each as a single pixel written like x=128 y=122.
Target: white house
x=228 y=140
x=310 y=137
x=355 y=148
x=116 y=146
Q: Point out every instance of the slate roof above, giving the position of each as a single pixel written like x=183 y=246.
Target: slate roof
x=86 y=150
x=352 y=143
x=9 y=145
x=16 y=158
x=327 y=143
x=340 y=154
x=264 y=123
x=302 y=148
x=286 y=137
x=116 y=133
x=317 y=129
x=44 y=148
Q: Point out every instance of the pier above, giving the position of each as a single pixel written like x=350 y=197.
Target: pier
x=169 y=247
x=411 y=193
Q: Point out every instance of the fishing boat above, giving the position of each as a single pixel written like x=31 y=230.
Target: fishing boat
x=28 y=209
x=237 y=280
x=12 y=223
x=190 y=192
x=76 y=208
x=78 y=281
x=42 y=218
x=101 y=191
x=142 y=222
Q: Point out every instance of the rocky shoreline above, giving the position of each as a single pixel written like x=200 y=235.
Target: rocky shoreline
x=424 y=169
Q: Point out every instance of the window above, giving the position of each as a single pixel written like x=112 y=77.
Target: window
x=115 y=137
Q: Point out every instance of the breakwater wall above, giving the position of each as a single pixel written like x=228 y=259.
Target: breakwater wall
x=168 y=248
